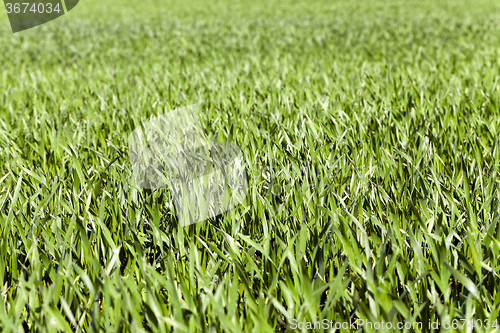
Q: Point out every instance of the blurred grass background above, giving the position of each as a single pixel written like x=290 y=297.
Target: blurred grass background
x=370 y=131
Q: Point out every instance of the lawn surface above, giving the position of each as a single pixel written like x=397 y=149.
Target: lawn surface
x=370 y=132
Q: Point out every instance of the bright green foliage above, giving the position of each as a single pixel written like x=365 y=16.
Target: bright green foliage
x=371 y=134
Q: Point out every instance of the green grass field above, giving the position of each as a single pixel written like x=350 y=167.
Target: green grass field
x=370 y=131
